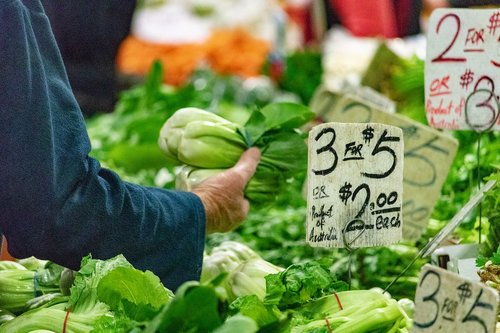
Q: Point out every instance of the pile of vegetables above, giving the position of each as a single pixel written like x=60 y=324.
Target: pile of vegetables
x=19 y=286
x=489 y=273
x=489 y=269
x=491 y=209
x=239 y=291
x=102 y=296
x=209 y=144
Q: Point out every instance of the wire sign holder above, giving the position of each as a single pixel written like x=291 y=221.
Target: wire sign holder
x=355 y=185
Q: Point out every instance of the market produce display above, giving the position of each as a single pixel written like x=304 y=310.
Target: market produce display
x=238 y=290
x=194 y=109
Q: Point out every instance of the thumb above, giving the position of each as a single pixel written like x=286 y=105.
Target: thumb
x=247 y=164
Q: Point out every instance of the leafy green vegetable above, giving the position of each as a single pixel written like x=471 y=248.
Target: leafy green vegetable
x=193 y=309
x=300 y=283
x=302 y=73
x=238 y=323
x=139 y=295
x=202 y=139
x=491 y=209
x=284 y=151
x=54 y=319
x=19 y=286
x=249 y=278
x=84 y=290
x=489 y=269
x=275 y=116
x=5 y=316
x=106 y=296
x=253 y=307
x=238 y=271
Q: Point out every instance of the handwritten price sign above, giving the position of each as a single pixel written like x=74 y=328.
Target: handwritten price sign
x=446 y=302
x=355 y=174
x=428 y=153
x=462 y=69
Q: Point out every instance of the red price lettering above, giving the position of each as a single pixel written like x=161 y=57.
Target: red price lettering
x=442 y=56
x=440 y=86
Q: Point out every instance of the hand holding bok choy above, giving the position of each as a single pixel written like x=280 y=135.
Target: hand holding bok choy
x=223 y=197
x=207 y=144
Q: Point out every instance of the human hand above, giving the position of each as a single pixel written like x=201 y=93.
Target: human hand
x=222 y=195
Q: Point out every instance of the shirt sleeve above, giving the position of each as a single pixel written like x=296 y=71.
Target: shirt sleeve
x=56 y=202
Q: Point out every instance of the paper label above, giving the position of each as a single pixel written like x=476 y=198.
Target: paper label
x=429 y=154
x=354 y=193
x=446 y=302
x=462 y=69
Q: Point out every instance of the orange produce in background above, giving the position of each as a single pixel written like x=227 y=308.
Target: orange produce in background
x=236 y=52
x=227 y=51
x=179 y=61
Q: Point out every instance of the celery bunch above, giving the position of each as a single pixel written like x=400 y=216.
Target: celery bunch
x=105 y=296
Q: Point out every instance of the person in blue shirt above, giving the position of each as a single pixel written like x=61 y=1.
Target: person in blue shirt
x=89 y=34
x=57 y=203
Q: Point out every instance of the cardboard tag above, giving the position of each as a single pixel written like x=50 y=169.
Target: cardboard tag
x=429 y=154
x=354 y=193
x=446 y=302
x=370 y=97
x=324 y=99
x=462 y=69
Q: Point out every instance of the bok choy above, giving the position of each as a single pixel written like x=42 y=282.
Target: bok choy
x=208 y=144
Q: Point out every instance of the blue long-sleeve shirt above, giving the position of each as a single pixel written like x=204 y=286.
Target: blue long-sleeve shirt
x=56 y=202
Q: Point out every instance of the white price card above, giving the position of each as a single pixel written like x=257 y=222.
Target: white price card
x=354 y=185
x=446 y=302
x=428 y=154
x=462 y=69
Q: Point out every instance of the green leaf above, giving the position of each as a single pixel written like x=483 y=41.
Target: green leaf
x=84 y=290
x=238 y=323
x=274 y=289
x=252 y=307
x=276 y=116
x=115 y=323
x=298 y=284
x=140 y=295
x=194 y=309
x=285 y=151
x=495 y=259
x=254 y=128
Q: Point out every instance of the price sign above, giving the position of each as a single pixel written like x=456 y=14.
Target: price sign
x=446 y=302
x=462 y=69
x=325 y=99
x=428 y=154
x=354 y=194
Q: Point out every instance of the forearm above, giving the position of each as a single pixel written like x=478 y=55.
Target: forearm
x=56 y=202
